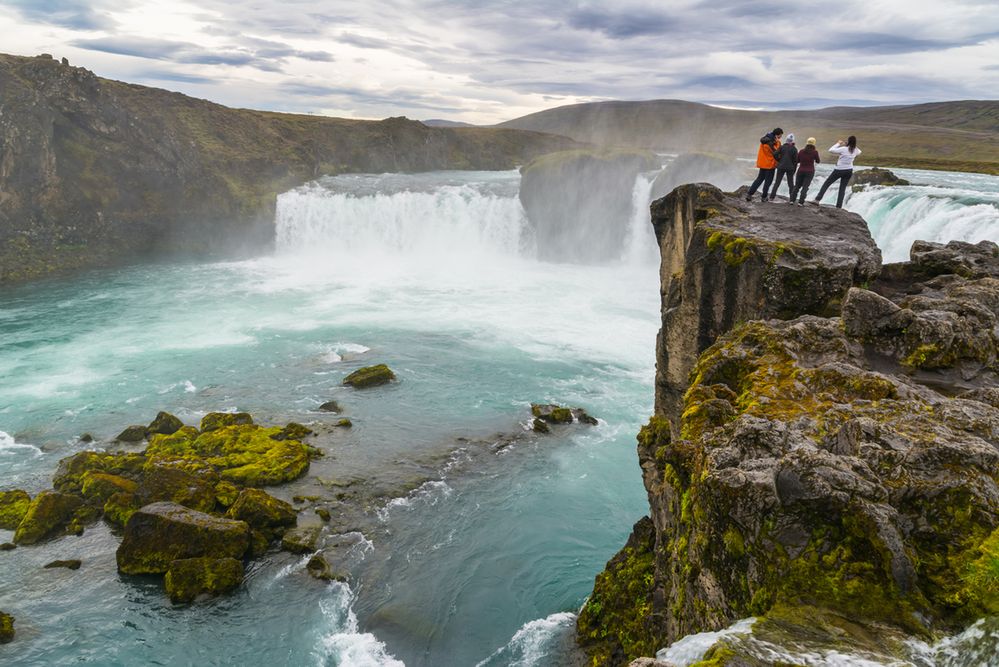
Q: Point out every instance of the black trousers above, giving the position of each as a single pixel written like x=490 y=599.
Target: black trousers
x=781 y=174
x=765 y=177
x=804 y=180
x=843 y=175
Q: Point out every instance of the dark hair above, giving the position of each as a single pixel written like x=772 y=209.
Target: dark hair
x=777 y=131
x=851 y=143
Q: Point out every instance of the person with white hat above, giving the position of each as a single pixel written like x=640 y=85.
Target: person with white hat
x=808 y=157
x=787 y=159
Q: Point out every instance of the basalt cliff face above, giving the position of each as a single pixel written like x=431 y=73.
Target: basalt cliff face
x=825 y=450
x=94 y=171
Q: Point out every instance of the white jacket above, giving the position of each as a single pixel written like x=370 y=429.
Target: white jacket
x=846 y=158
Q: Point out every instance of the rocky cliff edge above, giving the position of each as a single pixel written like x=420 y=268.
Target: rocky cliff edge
x=825 y=448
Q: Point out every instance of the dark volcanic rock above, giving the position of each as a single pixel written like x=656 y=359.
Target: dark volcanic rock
x=262 y=511
x=93 y=170
x=726 y=261
x=579 y=202
x=875 y=176
x=189 y=578
x=133 y=433
x=330 y=406
x=302 y=539
x=161 y=533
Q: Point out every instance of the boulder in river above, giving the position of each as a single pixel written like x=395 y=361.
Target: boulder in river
x=49 y=514
x=190 y=578
x=133 y=433
x=263 y=512
x=875 y=176
x=369 y=376
x=302 y=539
x=164 y=423
x=13 y=506
x=330 y=406
x=160 y=533
x=71 y=564
x=6 y=628
x=216 y=420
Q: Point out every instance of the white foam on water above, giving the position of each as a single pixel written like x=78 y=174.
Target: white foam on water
x=344 y=645
x=692 y=648
x=333 y=353
x=900 y=215
x=533 y=644
x=9 y=447
x=641 y=246
x=428 y=493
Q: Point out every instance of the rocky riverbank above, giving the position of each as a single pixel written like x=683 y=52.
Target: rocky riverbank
x=825 y=446
x=96 y=172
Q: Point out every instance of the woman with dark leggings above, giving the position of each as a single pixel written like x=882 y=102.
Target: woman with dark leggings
x=847 y=152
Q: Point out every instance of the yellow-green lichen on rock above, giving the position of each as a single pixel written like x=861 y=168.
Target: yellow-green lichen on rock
x=13 y=506
x=190 y=578
x=49 y=514
x=6 y=628
x=369 y=376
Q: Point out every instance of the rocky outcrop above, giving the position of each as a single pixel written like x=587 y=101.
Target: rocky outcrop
x=13 y=506
x=94 y=171
x=161 y=533
x=579 y=203
x=875 y=176
x=827 y=464
x=725 y=261
x=6 y=628
x=49 y=514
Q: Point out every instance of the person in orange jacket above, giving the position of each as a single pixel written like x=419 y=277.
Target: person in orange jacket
x=766 y=162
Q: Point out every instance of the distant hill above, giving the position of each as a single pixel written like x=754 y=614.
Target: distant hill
x=441 y=122
x=95 y=171
x=960 y=136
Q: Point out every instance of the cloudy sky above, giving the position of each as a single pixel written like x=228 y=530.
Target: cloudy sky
x=485 y=61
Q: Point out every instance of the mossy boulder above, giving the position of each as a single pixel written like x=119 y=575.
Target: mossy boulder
x=13 y=506
x=173 y=484
x=319 y=567
x=120 y=507
x=6 y=628
x=161 y=533
x=49 y=514
x=217 y=420
x=263 y=511
x=190 y=578
x=69 y=476
x=330 y=406
x=164 y=423
x=243 y=454
x=875 y=176
x=293 y=431
x=344 y=423
x=71 y=564
x=133 y=433
x=369 y=376
x=99 y=486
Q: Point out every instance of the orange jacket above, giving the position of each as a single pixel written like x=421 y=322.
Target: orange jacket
x=765 y=157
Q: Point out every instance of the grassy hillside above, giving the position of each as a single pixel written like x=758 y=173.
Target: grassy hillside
x=94 y=171
x=959 y=136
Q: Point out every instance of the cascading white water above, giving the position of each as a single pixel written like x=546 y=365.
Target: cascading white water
x=641 y=244
x=435 y=216
x=900 y=215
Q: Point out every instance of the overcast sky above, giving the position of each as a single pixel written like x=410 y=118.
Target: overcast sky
x=486 y=61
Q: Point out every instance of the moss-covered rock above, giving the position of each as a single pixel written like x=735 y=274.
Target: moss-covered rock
x=49 y=514
x=864 y=178
x=330 y=406
x=216 y=420
x=293 y=431
x=72 y=564
x=6 y=628
x=158 y=534
x=164 y=423
x=344 y=423
x=617 y=621
x=162 y=482
x=99 y=486
x=226 y=493
x=69 y=476
x=120 y=507
x=13 y=506
x=262 y=511
x=319 y=567
x=189 y=578
x=369 y=376
x=243 y=454
x=133 y=433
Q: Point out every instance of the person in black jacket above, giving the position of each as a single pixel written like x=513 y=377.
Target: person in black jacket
x=787 y=161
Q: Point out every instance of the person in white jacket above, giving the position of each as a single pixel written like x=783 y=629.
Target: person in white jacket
x=847 y=152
